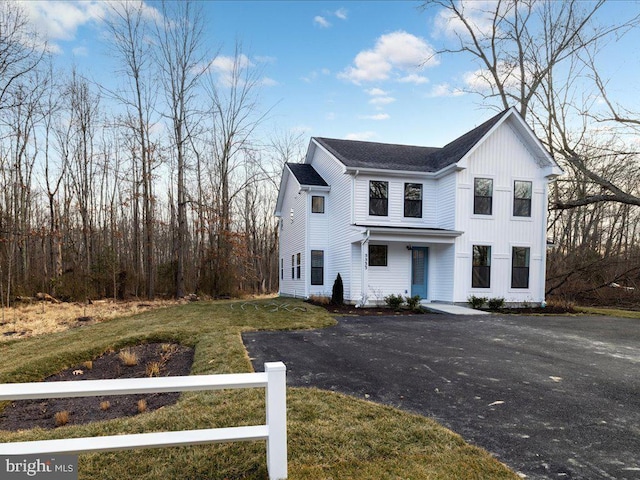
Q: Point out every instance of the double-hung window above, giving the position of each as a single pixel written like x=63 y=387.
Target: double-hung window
x=413 y=200
x=483 y=196
x=378 y=198
x=317 y=267
x=298 y=266
x=481 y=270
x=520 y=258
x=293 y=267
x=522 y=198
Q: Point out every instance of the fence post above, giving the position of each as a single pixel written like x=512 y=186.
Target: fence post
x=276 y=399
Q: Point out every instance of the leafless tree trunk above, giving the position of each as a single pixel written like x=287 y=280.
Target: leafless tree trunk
x=180 y=62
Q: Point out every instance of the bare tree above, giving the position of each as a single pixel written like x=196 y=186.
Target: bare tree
x=179 y=35
x=129 y=27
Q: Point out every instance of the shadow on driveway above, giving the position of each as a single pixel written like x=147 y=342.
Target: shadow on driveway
x=552 y=397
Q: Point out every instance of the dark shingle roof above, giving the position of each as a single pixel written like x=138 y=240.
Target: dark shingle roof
x=358 y=154
x=306 y=175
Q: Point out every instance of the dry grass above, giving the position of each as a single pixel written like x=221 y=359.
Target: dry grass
x=61 y=418
x=39 y=318
x=153 y=369
x=88 y=364
x=105 y=405
x=142 y=406
x=128 y=357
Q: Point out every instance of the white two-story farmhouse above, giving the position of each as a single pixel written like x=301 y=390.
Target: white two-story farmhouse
x=443 y=223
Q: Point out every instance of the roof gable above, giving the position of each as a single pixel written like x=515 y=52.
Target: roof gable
x=371 y=155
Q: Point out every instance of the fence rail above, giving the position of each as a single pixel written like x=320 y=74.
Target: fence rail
x=274 y=431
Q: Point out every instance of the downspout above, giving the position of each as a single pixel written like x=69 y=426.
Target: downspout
x=363 y=270
x=543 y=266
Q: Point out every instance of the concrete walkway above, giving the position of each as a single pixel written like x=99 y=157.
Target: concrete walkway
x=452 y=309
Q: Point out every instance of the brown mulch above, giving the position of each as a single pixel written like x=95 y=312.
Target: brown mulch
x=172 y=360
x=368 y=311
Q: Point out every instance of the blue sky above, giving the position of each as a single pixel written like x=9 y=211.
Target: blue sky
x=349 y=69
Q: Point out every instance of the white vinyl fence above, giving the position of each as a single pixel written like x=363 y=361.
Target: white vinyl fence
x=274 y=432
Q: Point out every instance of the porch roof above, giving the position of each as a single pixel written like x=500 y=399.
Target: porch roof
x=409 y=233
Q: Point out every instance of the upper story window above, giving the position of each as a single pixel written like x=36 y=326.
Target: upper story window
x=481 y=270
x=377 y=255
x=522 y=198
x=378 y=198
x=317 y=204
x=413 y=200
x=483 y=196
x=520 y=267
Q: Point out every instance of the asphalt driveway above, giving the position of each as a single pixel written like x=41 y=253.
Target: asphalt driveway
x=552 y=397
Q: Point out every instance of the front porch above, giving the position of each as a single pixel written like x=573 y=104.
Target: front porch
x=402 y=261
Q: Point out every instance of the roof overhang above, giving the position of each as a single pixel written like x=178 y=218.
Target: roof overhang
x=355 y=171
x=408 y=234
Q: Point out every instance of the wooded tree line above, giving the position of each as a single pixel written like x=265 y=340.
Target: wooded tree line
x=168 y=193
x=161 y=185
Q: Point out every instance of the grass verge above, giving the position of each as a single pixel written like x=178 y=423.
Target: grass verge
x=611 y=312
x=331 y=436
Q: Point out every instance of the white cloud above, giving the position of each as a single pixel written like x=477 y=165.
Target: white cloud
x=445 y=90
x=321 y=21
x=268 y=82
x=414 y=78
x=341 y=13
x=478 y=13
x=376 y=92
x=330 y=116
x=394 y=52
x=482 y=79
x=265 y=59
x=80 y=51
x=379 y=116
x=382 y=100
x=360 y=135
x=314 y=75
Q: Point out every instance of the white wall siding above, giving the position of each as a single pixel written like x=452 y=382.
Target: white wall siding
x=395 y=278
x=337 y=226
x=503 y=158
x=396 y=202
x=293 y=237
x=441 y=265
x=446 y=202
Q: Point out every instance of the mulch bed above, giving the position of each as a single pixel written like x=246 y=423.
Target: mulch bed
x=171 y=360
x=368 y=311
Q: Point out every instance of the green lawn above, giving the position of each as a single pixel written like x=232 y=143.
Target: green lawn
x=331 y=436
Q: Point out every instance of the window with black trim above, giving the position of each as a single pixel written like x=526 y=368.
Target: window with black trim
x=520 y=259
x=298 y=264
x=481 y=270
x=377 y=255
x=378 y=198
x=413 y=200
x=317 y=204
x=483 y=196
x=317 y=267
x=293 y=267
x=522 y=191
x=282 y=269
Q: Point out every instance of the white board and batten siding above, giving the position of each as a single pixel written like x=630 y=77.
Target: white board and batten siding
x=395 y=278
x=293 y=232
x=505 y=159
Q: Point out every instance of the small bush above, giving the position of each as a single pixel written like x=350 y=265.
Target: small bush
x=105 y=405
x=394 y=301
x=413 y=302
x=142 y=406
x=337 y=293
x=477 y=302
x=495 y=303
x=128 y=357
x=319 y=299
x=61 y=418
x=153 y=369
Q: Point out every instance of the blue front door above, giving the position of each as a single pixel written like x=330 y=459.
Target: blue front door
x=419 y=270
